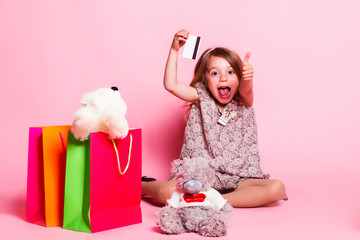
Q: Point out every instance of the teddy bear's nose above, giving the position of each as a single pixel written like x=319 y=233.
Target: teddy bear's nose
x=114 y=88
x=192 y=187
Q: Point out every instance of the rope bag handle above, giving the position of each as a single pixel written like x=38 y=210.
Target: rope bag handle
x=62 y=142
x=117 y=155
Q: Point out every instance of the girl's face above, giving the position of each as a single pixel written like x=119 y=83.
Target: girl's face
x=222 y=81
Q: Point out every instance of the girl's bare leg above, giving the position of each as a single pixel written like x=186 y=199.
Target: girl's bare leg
x=256 y=192
x=159 y=190
x=249 y=193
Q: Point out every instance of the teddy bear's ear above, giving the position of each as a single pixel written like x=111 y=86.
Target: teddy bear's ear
x=176 y=165
x=213 y=164
x=115 y=88
x=86 y=98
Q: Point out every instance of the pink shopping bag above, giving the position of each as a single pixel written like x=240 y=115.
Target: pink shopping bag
x=46 y=175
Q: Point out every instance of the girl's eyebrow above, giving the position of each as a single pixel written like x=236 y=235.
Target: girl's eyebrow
x=229 y=67
x=212 y=68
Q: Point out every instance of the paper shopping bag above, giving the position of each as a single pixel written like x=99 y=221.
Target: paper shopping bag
x=46 y=175
x=103 y=182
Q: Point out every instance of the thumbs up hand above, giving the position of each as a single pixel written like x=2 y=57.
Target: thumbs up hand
x=247 y=69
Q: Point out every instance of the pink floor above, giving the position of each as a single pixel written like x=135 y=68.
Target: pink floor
x=326 y=209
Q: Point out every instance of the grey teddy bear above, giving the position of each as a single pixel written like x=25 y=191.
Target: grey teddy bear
x=195 y=206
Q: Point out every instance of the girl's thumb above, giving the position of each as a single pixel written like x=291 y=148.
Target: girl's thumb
x=247 y=56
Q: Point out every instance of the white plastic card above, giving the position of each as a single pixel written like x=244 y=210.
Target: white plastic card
x=191 y=47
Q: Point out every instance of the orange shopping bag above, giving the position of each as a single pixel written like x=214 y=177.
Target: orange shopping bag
x=46 y=175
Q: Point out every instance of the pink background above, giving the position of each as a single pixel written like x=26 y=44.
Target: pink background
x=305 y=55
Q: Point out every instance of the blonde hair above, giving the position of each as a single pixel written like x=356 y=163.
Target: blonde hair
x=202 y=66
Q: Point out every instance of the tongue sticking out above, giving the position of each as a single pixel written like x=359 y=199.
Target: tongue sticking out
x=224 y=92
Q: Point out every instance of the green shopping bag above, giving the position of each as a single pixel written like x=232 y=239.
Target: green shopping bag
x=77 y=186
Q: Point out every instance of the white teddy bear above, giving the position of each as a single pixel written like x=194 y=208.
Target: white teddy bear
x=102 y=110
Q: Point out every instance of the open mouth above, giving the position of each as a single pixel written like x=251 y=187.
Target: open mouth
x=224 y=92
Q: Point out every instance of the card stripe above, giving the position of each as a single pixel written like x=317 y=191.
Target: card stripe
x=196 y=47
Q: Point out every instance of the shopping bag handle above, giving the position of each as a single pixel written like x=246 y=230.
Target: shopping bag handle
x=117 y=155
x=62 y=142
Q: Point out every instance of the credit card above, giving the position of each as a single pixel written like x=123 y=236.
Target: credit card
x=191 y=47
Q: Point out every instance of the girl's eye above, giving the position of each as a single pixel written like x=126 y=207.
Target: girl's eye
x=214 y=74
x=231 y=72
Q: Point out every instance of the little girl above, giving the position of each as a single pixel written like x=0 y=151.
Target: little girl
x=221 y=127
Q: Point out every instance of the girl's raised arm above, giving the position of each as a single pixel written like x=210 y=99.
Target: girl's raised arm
x=246 y=86
x=179 y=89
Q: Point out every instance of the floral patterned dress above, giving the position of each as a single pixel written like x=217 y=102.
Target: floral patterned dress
x=232 y=146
